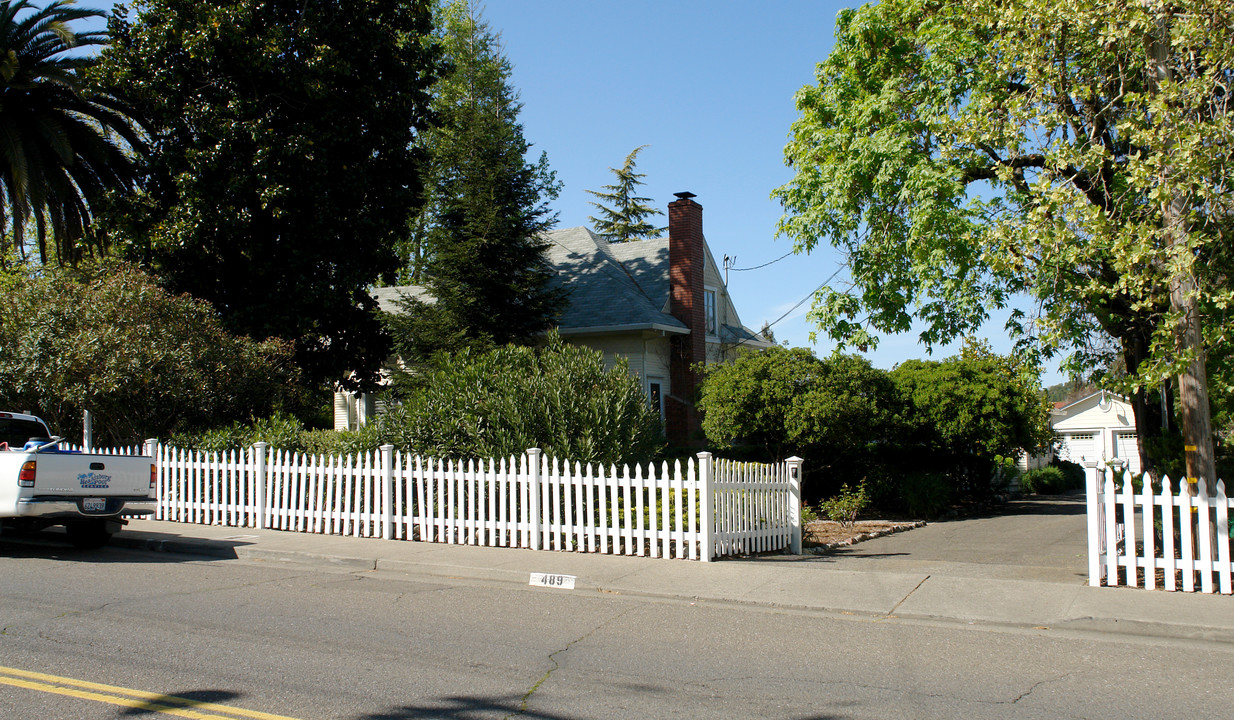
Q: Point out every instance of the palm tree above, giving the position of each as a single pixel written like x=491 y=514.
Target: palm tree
x=62 y=147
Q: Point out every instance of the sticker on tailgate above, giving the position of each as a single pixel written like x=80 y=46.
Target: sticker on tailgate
x=94 y=480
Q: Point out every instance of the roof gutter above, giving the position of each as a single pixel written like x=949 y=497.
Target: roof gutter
x=603 y=329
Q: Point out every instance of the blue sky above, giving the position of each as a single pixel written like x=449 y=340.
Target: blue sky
x=708 y=85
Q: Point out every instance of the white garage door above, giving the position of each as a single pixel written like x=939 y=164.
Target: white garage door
x=1128 y=448
x=1078 y=447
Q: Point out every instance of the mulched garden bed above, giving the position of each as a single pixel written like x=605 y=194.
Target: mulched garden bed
x=821 y=536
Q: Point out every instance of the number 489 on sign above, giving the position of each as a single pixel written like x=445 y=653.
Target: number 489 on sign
x=562 y=582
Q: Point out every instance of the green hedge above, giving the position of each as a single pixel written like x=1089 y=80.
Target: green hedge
x=558 y=397
x=1059 y=477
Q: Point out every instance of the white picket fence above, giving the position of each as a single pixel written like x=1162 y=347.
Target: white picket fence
x=1132 y=535
x=698 y=509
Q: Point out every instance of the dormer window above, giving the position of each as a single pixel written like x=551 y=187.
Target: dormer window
x=709 y=311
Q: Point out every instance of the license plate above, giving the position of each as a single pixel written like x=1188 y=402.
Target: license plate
x=94 y=504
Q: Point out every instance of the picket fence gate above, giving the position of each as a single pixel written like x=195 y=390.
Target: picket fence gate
x=1135 y=536
x=698 y=509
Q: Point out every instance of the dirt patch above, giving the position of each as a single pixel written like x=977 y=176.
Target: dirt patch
x=822 y=535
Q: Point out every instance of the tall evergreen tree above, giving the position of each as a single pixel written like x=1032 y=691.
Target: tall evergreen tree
x=625 y=220
x=284 y=162
x=479 y=243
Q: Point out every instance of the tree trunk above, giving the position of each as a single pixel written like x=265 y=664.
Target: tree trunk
x=1193 y=389
x=1184 y=298
x=1152 y=419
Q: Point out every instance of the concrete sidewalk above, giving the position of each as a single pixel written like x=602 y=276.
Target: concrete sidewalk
x=901 y=576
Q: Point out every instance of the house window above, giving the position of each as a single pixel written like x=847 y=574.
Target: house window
x=656 y=398
x=709 y=310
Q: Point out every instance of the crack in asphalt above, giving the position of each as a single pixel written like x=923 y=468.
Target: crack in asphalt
x=1029 y=691
x=522 y=706
x=1037 y=685
x=906 y=597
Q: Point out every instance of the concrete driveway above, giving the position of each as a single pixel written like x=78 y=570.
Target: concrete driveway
x=1037 y=538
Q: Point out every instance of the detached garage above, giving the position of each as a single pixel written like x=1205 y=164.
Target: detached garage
x=1098 y=427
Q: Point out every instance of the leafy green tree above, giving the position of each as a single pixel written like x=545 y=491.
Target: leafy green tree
x=146 y=363
x=497 y=403
x=966 y=412
x=487 y=206
x=961 y=154
x=840 y=414
x=626 y=219
x=284 y=164
x=64 y=145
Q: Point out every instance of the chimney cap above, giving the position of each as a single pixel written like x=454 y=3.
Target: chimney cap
x=684 y=195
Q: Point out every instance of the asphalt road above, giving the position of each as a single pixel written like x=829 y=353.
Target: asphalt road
x=121 y=634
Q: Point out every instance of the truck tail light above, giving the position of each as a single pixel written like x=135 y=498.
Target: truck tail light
x=25 y=478
x=154 y=476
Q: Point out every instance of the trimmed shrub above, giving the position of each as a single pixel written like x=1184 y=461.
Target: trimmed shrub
x=493 y=404
x=1073 y=474
x=281 y=431
x=558 y=397
x=845 y=507
x=1058 y=477
x=1042 y=481
x=968 y=413
x=146 y=363
x=840 y=414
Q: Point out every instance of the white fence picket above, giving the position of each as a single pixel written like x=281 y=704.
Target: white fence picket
x=1224 y=569
x=1201 y=551
x=1167 y=534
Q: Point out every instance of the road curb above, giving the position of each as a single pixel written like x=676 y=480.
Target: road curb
x=875 y=595
x=186 y=546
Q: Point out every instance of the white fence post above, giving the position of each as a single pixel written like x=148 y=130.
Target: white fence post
x=259 y=482
x=533 y=501
x=707 y=519
x=1092 y=483
x=152 y=449
x=794 y=503
x=387 y=491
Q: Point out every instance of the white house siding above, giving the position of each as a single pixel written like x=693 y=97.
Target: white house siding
x=646 y=355
x=351 y=410
x=726 y=312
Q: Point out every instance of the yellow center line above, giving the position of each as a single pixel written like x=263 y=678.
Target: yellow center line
x=127 y=697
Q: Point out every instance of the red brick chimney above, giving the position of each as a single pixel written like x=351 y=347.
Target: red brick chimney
x=686 y=261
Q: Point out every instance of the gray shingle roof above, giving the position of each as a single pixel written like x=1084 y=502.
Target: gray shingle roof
x=623 y=285
x=611 y=286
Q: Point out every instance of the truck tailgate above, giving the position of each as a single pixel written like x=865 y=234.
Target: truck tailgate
x=73 y=474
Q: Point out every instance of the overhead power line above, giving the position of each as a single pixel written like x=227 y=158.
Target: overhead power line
x=800 y=302
x=757 y=267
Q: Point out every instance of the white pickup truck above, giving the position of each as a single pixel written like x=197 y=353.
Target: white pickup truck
x=42 y=484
